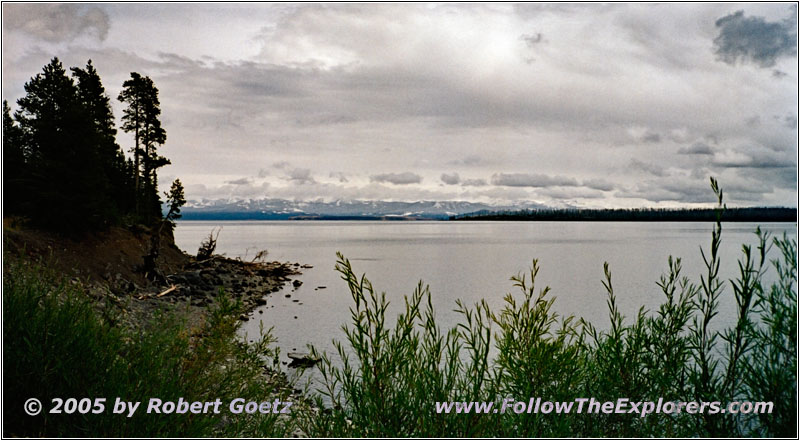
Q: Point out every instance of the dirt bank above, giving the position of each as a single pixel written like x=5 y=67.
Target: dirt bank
x=110 y=265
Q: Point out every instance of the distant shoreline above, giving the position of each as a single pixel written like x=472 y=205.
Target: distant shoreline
x=748 y=214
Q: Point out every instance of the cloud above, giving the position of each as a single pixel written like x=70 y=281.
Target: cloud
x=783 y=178
x=242 y=181
x=470 y=160
x=450 y=179
x=532 y=40
x=754 y=39
x=531 y=180
x=474 y=183
x=755 y=158
x=681 y=190
x=404 y=178
x=56 y=22
x=698 y=148
x=571 y=193
x=598 y=184
x=647 y=167
x=643 y=134
x=300 y=176
x=339 y=176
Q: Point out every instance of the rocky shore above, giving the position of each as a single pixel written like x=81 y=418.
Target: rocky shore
x=109 y=265
x=199 y=284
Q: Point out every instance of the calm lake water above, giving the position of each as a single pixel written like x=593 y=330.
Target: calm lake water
x=469 y=261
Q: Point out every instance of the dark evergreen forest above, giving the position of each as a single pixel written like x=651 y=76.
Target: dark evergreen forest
x=747 y=214
x=63 y=169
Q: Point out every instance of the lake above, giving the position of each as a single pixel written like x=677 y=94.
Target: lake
x=469 y=261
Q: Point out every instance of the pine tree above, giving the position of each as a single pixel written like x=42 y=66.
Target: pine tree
x=142 y=117
x=14 y=166
x=132 y=121
x=97 y=105
x=65 y=175
x=175 y=200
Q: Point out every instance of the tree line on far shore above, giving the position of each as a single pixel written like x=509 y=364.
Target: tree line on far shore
x=63 y=169
x=747 y=214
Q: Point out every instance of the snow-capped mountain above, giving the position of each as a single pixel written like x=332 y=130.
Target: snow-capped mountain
x=339 y=209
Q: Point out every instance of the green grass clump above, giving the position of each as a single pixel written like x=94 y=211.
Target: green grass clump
x=56 y=345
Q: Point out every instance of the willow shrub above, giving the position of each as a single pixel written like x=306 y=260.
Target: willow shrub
x=391 y=377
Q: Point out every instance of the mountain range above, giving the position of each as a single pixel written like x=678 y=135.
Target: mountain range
x=281 y=209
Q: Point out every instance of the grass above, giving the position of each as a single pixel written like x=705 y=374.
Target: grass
x=56 y=345
x=390 y=377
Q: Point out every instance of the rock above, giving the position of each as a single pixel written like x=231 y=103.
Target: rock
x=307 y=266
x=295 y=300
x=322 y=287
x=261 y=301
x=296 y=283
x=288 y=295
x=302 y=359
x=243 y=318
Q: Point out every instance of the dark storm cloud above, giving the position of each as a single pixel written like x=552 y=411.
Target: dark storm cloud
x=404 y=178
x=698 y=148
x=754 y=39
x=242 y=181
x=56 y=22
x=450 y=179
x=531 y=180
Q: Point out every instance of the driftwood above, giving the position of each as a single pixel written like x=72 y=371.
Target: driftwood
x=161 y=294
x=200 y=262
x=168 y=290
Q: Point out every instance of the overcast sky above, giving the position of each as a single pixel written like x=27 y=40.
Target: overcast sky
x=593 y=105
